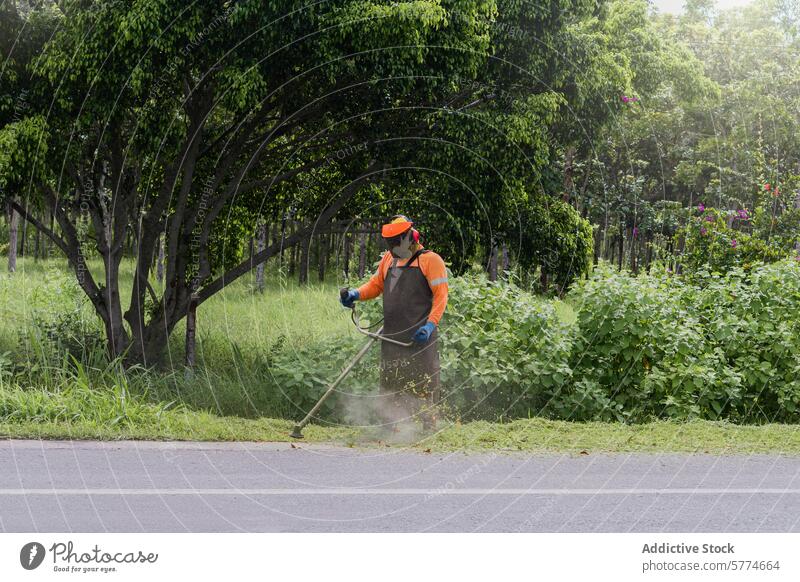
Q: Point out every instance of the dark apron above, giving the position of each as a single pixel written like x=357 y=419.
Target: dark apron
x=409 y=374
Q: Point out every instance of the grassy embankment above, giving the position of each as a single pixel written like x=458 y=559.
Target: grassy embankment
x=41 y=396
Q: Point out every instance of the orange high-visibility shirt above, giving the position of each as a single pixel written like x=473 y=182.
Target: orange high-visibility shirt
x=435 y=273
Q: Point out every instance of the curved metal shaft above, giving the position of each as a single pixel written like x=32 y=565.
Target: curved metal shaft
x=296 y=433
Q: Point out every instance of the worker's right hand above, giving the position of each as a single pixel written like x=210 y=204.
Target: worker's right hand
x=349 y=299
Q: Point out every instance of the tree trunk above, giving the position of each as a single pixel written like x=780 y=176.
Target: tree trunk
x=505 y=259
x=621 y=246
x=797 y=207
x=610 y=250
x=293 y=256
x=160 y=262
x=50 y=243
x=362 y=254
x=13 y=229
x=261 y=234
x=348 y=244
x=322 y=256
x=283 y=238
x=116 y=334
x=37 y=245
x=191 y=334
x=569 y=158
x=493 y=262
x=305 y=248
x=23 y=240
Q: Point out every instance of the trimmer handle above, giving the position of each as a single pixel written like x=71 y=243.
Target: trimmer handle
x=343 y=293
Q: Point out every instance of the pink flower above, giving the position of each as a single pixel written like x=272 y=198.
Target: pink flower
x=733 y=243
x=766 y=186
x=743 y=214
x=635 y=231
x=709 y=218
x=703 y=230
x=701 y=207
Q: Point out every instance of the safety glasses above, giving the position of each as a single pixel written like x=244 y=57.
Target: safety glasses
x=393 y=241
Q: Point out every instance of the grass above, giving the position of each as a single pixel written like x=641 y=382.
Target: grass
x=531 y=436
x=696 y=436
x=43 y=395
x=236 y=328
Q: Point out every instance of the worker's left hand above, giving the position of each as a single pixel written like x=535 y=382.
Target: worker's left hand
x=423 y=334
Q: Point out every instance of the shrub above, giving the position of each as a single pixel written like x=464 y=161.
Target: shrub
x=751 y=319
x=636 y=346
x=722 y=346
x=714 y=245
x=504 y=351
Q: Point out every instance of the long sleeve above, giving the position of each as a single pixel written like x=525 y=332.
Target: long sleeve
x=435 y=272
x=374 y=287
x=439 y=302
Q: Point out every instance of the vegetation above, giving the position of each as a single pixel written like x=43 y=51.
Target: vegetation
x=619 y=347
x=616 y=192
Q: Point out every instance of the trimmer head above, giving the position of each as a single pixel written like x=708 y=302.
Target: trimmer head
x=297 y=432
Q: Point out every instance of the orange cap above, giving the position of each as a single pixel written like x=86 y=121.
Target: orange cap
x=396 y=227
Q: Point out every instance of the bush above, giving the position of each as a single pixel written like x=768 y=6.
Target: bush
x=637 y=346
x=751 y=319
x=714 y=245
x=504 y=351
x=63 y=324
x=723 y=346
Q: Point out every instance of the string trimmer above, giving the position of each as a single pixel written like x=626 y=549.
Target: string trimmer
x=373 y=337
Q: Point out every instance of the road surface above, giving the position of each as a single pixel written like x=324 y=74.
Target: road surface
x=81 y=486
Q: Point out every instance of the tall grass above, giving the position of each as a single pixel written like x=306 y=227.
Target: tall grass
x=53 y=364
x=258 y=354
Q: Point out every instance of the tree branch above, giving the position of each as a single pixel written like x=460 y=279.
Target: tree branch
x=60 y=243
x=371 y=174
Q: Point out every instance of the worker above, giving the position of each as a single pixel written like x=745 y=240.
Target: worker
x=413 y=281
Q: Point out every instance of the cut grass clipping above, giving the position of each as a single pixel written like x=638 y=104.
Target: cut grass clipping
x=83 y=413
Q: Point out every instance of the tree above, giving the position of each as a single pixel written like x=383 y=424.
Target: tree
x=21 y=41
x=192 y=123
x=165 y=118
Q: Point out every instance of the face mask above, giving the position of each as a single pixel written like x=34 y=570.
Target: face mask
x=401 y=249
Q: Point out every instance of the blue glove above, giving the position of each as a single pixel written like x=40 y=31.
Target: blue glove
x=349 y=299
x=423 y=334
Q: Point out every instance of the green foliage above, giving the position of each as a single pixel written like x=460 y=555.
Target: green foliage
x=751 y=319
x=723 y=346
x=504 y=352
x=641 y=353
x=711 y=243
x=718 y=346
x=61 y=329
x=557 y=240
x=23 y=146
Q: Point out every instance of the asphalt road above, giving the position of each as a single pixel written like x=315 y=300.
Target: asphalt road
x=79 y=486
